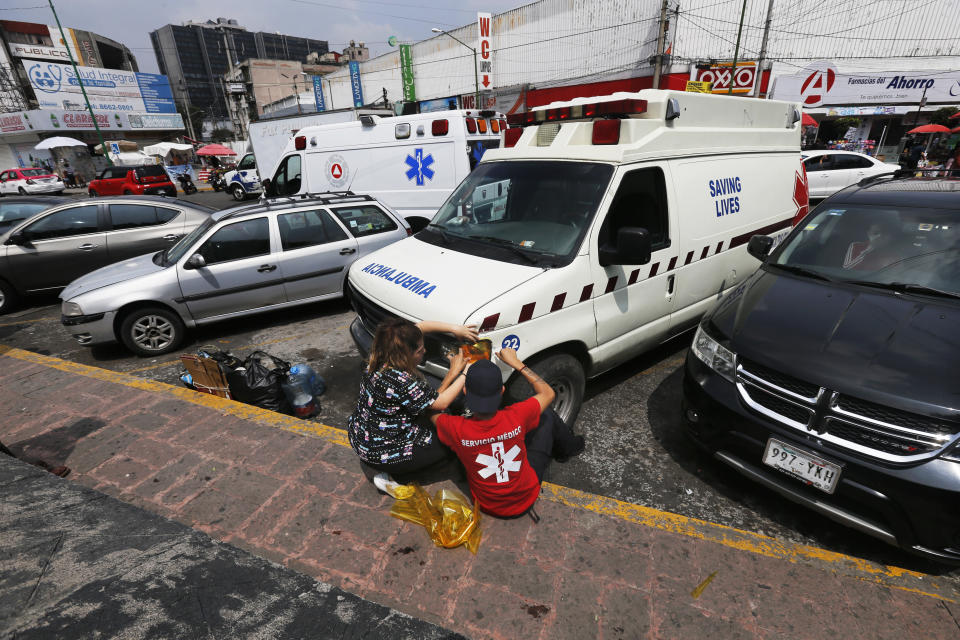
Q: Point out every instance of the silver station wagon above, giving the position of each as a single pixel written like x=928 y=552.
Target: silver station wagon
x=278 y=253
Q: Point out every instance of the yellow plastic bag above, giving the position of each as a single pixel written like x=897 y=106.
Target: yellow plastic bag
x=447 y=516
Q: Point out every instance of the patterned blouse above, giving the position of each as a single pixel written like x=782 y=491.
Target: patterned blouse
x=383 y=427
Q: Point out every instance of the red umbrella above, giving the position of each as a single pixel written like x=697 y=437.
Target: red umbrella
x=807 y=121
x=215 y=150
x=930 y=128
x=955 y=130
x=956 y=115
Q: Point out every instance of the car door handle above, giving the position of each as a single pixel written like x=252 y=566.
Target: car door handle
x=670 y=281
x=87 y=247
x=347 y=251
x=267 y=268
x=170 y=237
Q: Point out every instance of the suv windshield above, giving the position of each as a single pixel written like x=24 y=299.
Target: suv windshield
x=174 y=253
x=911 y=249
x=522 y=211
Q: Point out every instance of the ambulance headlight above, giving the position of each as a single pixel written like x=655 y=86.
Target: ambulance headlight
x=714 y=355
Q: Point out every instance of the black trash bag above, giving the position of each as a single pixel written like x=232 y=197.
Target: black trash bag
x=257 y=384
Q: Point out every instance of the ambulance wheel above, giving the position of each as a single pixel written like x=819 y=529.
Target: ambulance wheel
x=565 y=374
x=239 y=194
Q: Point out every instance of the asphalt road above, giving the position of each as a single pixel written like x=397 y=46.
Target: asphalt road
x=636 y=448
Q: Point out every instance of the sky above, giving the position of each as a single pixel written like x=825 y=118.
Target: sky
x=336 y=21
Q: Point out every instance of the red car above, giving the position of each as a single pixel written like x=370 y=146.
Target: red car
x=148 y=179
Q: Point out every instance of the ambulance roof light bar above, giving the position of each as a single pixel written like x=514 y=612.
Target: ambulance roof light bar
x=610 y=109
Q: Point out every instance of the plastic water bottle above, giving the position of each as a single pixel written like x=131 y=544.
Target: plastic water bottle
x=312 y=383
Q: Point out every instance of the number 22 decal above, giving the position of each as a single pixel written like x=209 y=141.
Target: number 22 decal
x=512 y=341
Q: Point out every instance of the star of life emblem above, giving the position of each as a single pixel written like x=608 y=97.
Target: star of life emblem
x=498 y=462
x=419 y=166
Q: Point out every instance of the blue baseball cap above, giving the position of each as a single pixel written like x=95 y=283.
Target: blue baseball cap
x=484 y=385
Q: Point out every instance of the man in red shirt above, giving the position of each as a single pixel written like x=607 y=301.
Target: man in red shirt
x=506 y=452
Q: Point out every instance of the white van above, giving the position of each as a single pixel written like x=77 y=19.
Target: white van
x=410 y=163
x=605 y=227
x=244 y=180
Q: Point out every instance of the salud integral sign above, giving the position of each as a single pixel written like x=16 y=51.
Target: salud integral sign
x=56 y=87
x=822 y=84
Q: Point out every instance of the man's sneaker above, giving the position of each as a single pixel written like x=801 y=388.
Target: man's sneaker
x=576 y=448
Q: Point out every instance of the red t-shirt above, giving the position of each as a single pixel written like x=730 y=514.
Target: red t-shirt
x=493 y=451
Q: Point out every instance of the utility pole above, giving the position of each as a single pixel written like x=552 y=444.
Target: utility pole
x=736 y=50
x=658 y=68
x=763 y=49
x=76 y=72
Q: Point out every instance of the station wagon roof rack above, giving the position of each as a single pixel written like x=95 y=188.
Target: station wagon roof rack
x=280 y=202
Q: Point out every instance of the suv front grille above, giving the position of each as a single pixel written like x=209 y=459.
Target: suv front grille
x=865 y=427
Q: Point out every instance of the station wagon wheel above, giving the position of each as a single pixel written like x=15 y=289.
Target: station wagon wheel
x=561 y=371
x=8 y=297
x=151 y=331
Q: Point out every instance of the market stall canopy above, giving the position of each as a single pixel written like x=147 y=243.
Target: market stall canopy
x=807 y=121
x=930 y=128
x=215 y=150
x=59 y=141
x=163 y=148
x=131 y=158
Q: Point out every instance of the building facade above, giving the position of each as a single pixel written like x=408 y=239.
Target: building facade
x=560 y=49
x=40 y=94
x=198 y=55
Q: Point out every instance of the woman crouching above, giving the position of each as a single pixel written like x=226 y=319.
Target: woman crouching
x=390 y=429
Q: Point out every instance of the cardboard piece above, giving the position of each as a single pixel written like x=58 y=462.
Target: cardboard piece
x=207 y=376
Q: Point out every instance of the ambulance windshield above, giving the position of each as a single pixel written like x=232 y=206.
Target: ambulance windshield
x=526 y=211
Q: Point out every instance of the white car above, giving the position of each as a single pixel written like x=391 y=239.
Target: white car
x=29 y=182
x=829 y=171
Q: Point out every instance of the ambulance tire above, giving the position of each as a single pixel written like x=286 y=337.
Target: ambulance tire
x=564 y=373
x=239 y=194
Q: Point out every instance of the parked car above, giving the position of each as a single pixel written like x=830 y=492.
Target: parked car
x=44 y=252
x=830 y=171
x=271 y=255
x=29 y=182
x=148 y=179
x=19 y=208
x=830 y=376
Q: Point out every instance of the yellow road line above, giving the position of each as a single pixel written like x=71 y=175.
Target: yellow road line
x=885 y=575
x=16 y=322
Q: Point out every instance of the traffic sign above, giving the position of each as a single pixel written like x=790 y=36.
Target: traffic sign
x=484 y=50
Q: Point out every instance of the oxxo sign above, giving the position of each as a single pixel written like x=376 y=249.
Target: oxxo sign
x=484 y=50
x=719 y=75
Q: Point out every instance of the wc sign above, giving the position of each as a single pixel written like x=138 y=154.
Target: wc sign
x=721 y=74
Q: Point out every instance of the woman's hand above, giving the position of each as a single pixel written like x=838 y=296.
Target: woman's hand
x=466 y=332
x=458 y=362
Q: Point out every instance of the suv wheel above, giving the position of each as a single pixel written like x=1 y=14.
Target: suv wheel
x=8 y=297
x=561 y=371
x=239 y=194
x=152 y=331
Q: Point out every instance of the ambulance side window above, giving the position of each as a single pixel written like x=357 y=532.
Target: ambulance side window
x=286 y=181
x=641 y=201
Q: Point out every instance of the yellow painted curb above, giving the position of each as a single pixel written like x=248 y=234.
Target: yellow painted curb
x=885 y=575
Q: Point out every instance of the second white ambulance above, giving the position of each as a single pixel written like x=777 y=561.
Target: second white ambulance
x=604 y=227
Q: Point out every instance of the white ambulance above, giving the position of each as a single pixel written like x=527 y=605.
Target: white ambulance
x=602 y=229
x=410 y=163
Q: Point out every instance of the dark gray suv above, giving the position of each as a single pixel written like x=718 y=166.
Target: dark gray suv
x=43 y=253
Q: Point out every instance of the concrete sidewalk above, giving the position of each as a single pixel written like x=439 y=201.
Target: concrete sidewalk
x=80 y=564
x=292 y=492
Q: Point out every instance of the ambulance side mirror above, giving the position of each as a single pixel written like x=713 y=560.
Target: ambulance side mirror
x=759 y=247
x=268 y=189
x=633 y=247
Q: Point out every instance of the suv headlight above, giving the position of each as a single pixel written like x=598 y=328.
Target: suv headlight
x=714 y=355
x=71 y=309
